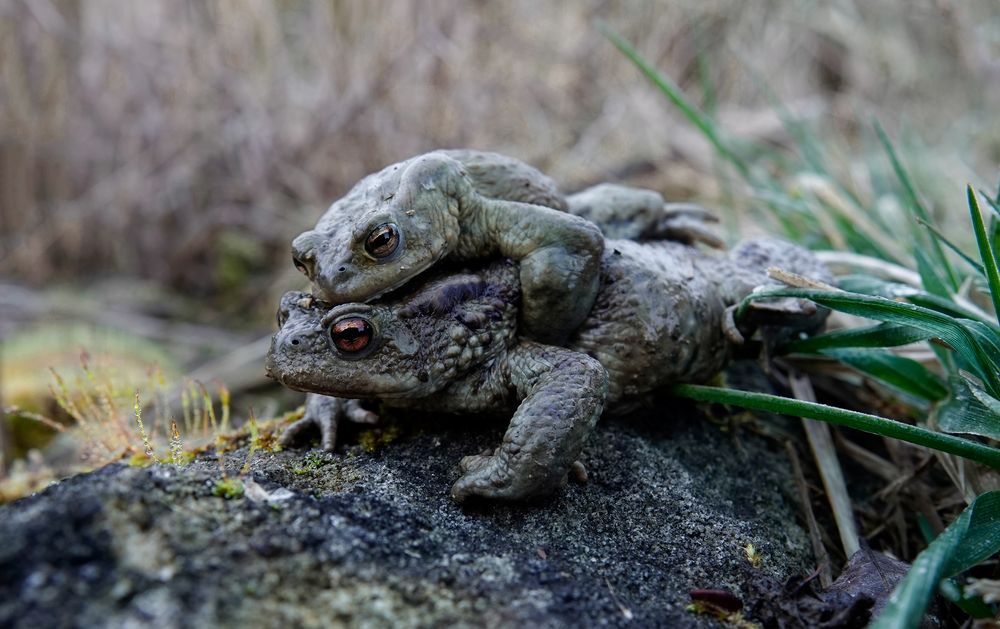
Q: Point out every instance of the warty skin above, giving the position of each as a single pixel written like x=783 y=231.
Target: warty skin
x=451 y=344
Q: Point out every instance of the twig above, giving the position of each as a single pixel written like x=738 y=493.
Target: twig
x=626 y=612
x=18 y=303
x=821 y=443
x=867 y=459
x=815 y=537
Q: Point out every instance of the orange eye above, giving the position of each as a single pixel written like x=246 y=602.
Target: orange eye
x=382 y=241
x=351 y=335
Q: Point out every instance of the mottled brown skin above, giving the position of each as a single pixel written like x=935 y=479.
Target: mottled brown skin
x=451 y=344
x=474 y=205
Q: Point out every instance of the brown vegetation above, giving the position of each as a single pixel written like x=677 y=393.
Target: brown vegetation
x=186 y=142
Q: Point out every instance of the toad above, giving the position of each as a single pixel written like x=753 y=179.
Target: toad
x=473 y=205
x=450 y=343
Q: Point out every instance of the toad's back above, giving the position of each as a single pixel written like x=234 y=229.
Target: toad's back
x=658 y=315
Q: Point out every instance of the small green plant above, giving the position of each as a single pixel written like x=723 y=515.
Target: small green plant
x=753 y=555
x=311 y=463
x=232 y=487
x=228 y=488
x=254 y=443
x=108 y=415
x=177 y=455
x=147 y=448
x=374 y=439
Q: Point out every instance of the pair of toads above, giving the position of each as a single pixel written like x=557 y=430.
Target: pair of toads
x=464 y=282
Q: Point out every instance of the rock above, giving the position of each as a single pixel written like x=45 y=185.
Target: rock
x=373 y=539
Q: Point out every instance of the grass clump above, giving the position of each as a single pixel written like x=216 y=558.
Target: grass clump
x=104 y=418
x=932 y=348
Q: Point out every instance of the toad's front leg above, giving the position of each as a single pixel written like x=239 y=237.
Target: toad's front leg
x=562 y=395
x=560 y=264
x=326 y=413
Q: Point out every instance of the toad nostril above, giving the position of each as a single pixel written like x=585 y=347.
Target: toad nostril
x=295 y=341
x=342 y=269
x=304 y=263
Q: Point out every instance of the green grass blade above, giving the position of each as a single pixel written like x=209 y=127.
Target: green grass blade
x=874 y=424
x=970 y=539
x=705 y=71
x=867 y=285
x=971 y=605
x=916 y=206
x=903 y=373
x=932 y=282
x=982 y=538
x=969 y=411
x=994 y=220
x=954 y=248
x=901 y=174
x=946 y=306
x=676 y=96
x=966 y=339
x=881 y=335
x=995 y=233
x=986 y=252
x=993 y=203
x=811 y=150
x=806 y=142
x=989 y=340
x=858 y=234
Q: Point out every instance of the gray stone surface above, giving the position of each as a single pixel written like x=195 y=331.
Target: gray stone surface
x=373 y=539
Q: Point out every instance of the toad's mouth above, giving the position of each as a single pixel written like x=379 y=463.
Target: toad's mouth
x=324 y=290
x=288 y=379
x=434 y=269
x=404 y=286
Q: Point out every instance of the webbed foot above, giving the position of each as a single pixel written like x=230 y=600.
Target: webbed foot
x=562 y=395
x=687 y=223
x=628 y=213
x=491 y=476
x=777 y=319
x=325 y=413
x=473 y=462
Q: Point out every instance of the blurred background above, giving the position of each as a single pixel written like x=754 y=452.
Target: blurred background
x=157 y=157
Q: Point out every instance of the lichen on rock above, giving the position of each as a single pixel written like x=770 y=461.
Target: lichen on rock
x=374 y=539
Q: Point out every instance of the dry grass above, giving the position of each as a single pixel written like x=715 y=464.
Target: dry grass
x=104 y=414
x=186 y=142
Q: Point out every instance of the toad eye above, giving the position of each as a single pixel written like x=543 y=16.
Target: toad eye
x=282 y=317
x=351 y=335
x=382 y=241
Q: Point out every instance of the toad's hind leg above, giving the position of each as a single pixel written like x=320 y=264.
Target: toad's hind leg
x=628 y=213
x=778 y=319
x=563 y=395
